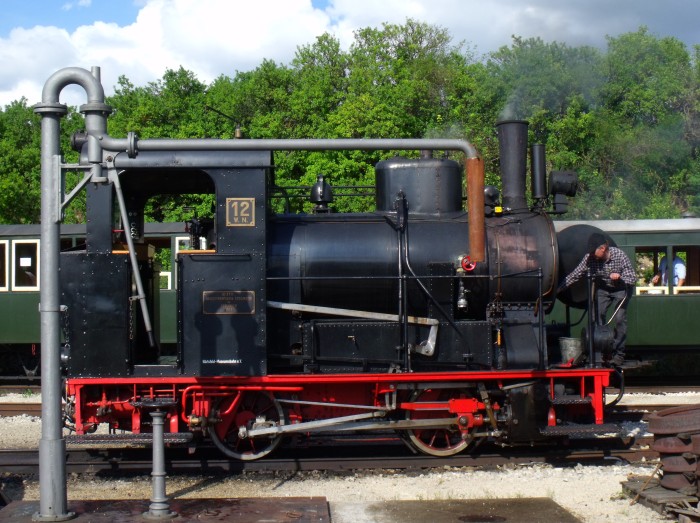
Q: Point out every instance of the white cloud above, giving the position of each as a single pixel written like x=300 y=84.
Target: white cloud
x=209 y=38
x=239 y=36
x=21 y=61
x=80 y=3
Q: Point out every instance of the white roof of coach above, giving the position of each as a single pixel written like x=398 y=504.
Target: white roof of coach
x=613 y=226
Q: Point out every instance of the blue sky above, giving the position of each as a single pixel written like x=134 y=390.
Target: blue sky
x=142 y=38
x=71 y=14
x=68 y=14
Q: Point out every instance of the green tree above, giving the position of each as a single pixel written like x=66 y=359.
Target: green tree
x=260 y=101
x=646 y=77
x=172 y=107
x=532 y=75
x=628 y=120
x=20 y=164
x=640 y=149
x=409 y=71
x=320 y=86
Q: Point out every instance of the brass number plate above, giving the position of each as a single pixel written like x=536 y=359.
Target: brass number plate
x=240 y=212
x=228 y=302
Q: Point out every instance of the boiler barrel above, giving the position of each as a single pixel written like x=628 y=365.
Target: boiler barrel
x=351 y=261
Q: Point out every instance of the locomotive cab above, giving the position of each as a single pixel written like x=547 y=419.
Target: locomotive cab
x=220 y=291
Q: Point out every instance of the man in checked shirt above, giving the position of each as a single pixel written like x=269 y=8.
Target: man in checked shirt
x=614 y=280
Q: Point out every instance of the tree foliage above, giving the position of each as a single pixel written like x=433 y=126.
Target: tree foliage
x=20 y=169
x=627 y=119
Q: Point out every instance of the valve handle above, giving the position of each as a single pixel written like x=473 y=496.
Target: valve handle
x=467 y=264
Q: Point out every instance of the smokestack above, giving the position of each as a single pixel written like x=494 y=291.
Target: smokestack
x=512 y=145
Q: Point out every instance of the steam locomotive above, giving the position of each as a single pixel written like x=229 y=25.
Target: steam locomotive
x=417 y=318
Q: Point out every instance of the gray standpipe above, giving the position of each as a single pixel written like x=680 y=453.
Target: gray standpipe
x=52 y=446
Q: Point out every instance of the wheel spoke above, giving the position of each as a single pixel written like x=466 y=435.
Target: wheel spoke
x=436 y=442
x=254 y=405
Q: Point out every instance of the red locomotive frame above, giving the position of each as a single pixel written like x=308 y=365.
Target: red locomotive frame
x=438 y=413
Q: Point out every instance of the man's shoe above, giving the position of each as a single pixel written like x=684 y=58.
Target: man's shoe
x=618 y=360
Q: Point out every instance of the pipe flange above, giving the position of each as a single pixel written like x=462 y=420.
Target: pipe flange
x=132 y=144
x=95 y=107
x=51 y=107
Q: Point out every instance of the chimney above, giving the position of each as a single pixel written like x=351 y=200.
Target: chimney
x=512 y=145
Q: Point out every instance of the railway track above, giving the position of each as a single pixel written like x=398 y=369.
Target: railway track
x=25 y=388
x=8 y=409
x=394 y=453
x=385 y=457
x=391 y=453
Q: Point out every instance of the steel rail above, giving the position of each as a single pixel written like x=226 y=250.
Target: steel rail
x=94 y=461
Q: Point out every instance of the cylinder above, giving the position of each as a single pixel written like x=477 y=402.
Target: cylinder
x=351 y=261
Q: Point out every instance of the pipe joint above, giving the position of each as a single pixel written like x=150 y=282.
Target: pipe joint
x=50 y=108
x=96 y=108
x=132 y=149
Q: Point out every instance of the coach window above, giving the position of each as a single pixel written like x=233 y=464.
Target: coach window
x=4 y=265
x=25 y=265
x=649 y=265
x=691 y=258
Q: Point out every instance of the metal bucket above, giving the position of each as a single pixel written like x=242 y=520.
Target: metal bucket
x=571 y=349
